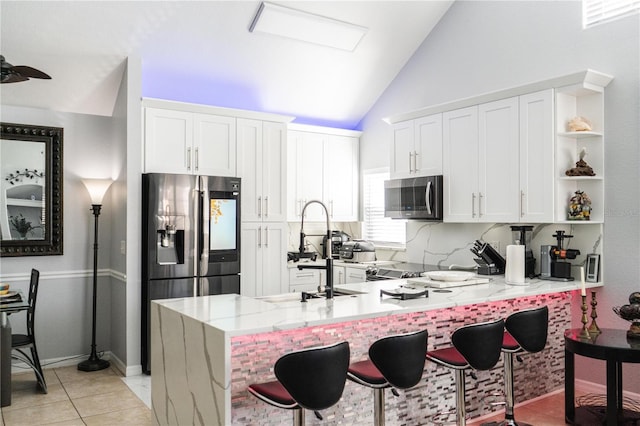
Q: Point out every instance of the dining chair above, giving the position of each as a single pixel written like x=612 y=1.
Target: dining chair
x=20 y=342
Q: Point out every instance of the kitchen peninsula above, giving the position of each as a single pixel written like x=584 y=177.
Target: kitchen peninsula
x=207 y=350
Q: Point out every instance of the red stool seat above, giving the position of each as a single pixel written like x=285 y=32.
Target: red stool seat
x=509 y=343
x=273 y=393
x=449 y=357
x=366 y=372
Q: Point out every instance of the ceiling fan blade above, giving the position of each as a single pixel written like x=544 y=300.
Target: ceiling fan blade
x=30 y=72
x=13 y=78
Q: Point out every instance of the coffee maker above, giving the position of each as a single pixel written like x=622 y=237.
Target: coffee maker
x=522 y=236
x=337 y=239
x=553 y=264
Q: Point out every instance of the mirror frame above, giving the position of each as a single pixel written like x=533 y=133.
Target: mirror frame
x=53 y=140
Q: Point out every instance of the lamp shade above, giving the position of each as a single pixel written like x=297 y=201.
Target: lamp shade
x=97 y=188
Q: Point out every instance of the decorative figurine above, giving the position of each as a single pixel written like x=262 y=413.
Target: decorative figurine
x=579 y=206
x=581 y=168
x=579 y=124
x=631 y=313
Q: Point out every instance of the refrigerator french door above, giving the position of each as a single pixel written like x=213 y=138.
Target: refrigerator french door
x=190 y=240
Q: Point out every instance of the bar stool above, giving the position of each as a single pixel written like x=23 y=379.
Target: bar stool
x=525 y=331
x=395 y=362
x=475 y=346
x=311 y=379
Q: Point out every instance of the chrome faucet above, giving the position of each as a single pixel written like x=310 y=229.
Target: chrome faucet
x=327 y=250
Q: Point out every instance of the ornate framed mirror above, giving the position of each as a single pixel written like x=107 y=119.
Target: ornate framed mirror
x=30 y=190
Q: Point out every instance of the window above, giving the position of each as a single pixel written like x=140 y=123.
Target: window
x=599 y=11
x=377 y=228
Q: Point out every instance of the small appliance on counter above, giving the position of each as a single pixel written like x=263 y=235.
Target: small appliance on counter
x=338 y=238
x=522 y=236
x=553 y=264
x=358 y=251
x=489 y=261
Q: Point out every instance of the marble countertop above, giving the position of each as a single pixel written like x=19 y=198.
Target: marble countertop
x=237 y=315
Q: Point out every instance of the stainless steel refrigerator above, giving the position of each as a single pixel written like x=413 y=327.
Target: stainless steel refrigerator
x=190 y=240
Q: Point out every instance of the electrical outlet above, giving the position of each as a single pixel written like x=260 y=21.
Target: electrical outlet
x=123 y=247
x=495 y=245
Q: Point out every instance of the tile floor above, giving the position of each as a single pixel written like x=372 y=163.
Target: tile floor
x=79 y=398
x=106 y=398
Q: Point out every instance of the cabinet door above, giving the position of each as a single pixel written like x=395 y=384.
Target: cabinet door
x=309 y=173
x=460 y=164
x=168 y=139
x=536 y=157
x=214 y=147
x=274 y=172
x=339 y=275
x=274 y=258
x=498 y=189
x=250 y=167
x=251 y=259
x=341 y=178
x=428 y=145
x=402 y=150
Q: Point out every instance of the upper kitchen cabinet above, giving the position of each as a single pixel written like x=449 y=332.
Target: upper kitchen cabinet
x=189 y=143
x=416 y=147
x=262 y=156
x=536 y=157
x=580 y=136
x=323 y=166
x=480 y=161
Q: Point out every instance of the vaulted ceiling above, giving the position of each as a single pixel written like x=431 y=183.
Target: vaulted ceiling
x=203 y=52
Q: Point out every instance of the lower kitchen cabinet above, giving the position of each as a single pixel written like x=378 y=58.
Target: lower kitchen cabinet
x=346 y=275
x=263 y=252
x=306 y=279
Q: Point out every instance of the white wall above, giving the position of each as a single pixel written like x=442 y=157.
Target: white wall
x=63 y=315
x=481 y=47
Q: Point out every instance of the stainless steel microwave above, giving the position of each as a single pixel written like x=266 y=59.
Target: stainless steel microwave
x=414 y=198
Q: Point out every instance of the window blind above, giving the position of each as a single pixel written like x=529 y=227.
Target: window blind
x=599 y=11
x=376 y=227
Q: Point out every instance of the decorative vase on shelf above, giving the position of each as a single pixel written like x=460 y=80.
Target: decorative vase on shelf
x=579 y=206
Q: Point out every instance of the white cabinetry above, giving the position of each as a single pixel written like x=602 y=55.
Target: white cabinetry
x=323 y=166
x=587 y=102
x=536 y=157
x=263 y=259
x=262 y=156
x=416 y=148
x=306 y=279
x=498 y=158
x=185 y=142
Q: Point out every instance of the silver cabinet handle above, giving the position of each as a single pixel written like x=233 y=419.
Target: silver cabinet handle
x=304 y=274
x=521 y=203
x=260 y=236
x=410 y=158
x=473 y=204
x=197 y=160
x=259 y=206
x=427 y=197
x=266 y=206
x=266 y=236
x=188 y=158
x=480 y=204
x=415 y=161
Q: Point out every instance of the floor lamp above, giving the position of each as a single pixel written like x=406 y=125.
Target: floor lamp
x=97 y=189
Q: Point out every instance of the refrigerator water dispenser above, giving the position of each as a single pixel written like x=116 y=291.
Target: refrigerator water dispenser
x=170 y=240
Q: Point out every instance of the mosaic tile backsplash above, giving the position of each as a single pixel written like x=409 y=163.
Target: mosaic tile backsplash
x=253 y=358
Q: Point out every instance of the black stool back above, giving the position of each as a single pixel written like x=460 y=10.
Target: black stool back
x=400 y=358
x=480 y=344
x=529 y=328
x=315 y=378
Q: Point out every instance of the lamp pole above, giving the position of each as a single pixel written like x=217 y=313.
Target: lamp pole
x=94 y=363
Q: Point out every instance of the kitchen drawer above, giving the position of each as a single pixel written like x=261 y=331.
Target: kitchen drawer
x=306 y=279
x=303 y=287
x=355 y=275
